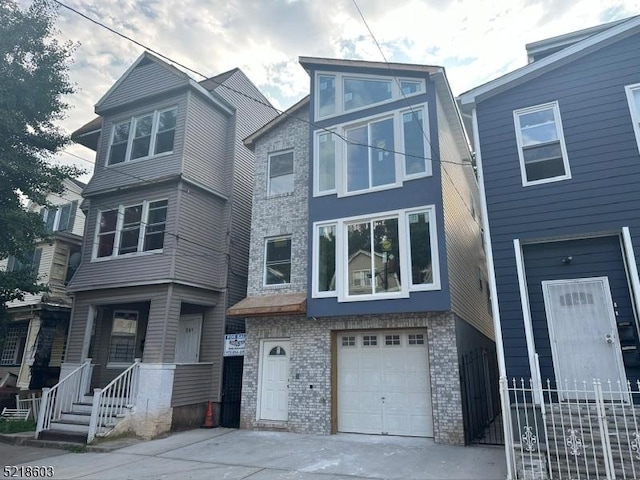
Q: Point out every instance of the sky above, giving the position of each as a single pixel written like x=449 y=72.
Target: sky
x=476 y=41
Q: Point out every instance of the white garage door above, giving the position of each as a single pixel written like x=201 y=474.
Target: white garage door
x=383 y=383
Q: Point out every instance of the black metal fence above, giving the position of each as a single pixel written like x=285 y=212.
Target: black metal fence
x=479 y=382
x=231 y=392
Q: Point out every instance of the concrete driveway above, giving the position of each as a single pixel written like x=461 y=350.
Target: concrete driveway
x=241 y=454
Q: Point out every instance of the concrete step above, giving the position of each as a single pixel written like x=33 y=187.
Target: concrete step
x=77 y=417
x=82 y=407
x=63 y=436
x=70 y=426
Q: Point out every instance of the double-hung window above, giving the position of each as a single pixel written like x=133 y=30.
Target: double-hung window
x=14 y=343
x=60 y=218
x=385 y=256
x=377 y=153
x=541 y=147
x=277 y=261
x=131 y=229
x=633 y=97
x=123 y=336
x=280 y=173
x=143 y=136
x=29 y=261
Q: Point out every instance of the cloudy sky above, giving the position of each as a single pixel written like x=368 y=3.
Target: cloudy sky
x=474 y=40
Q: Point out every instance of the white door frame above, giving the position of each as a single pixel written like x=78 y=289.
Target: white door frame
x=612 y=325
x=261 y=353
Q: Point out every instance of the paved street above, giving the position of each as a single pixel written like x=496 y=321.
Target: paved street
x=241 y=454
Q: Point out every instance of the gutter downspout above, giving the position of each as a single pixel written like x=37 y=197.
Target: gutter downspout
x=502 y=370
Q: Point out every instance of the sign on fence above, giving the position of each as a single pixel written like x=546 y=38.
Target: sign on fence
x=234 y=344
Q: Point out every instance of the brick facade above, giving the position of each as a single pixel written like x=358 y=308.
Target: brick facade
x=311 y=362
x=285 y=214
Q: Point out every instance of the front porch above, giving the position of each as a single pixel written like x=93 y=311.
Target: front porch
x=148 y=364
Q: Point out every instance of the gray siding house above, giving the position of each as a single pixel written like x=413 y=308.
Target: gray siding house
x=558 y=150
x=366 y=277
x=166 y=244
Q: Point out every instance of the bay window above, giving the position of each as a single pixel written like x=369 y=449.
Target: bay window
x=387 y=255
x=143 y=136
x=131 y=229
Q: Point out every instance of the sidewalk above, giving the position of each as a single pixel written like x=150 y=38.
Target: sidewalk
x=242 y=454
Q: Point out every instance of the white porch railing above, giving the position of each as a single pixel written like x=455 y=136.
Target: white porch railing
x=63 y=395
x=583 y=430
x=111 y=401
x=32 y=403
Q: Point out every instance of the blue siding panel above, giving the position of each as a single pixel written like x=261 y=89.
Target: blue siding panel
x=601 y=196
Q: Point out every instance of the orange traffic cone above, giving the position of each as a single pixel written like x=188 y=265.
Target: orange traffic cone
x=208 y=419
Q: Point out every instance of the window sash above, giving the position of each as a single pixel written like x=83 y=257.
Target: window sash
x=280 y=167
x=14 y=344
x=277 y=261
x=122 y=341
x=132 y=229
x=142 y=137
x=541 y=148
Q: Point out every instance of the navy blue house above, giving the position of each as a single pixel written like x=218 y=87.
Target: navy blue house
x=367 y=282
x=557 y=145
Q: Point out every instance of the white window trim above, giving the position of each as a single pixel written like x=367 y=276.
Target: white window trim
x=635 y=114
x=270 y=155
x=58 y=214
x=559 y=130
x=132 y=128
x=396 y=92
x=144 y=220
x=398 y=138
x=342 y=281
x=264 y=261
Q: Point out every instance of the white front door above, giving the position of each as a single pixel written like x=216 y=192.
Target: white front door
x=274 y=385
x=583 y=332
x=188 y=339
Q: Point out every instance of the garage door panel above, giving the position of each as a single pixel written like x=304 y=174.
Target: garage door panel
x=384 y=388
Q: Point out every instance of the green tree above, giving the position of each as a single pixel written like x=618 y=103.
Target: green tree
x=33 y=82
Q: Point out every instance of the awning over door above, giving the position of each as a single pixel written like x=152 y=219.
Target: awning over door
x=283 y=304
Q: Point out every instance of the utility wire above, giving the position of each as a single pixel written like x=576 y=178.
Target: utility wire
x=375 y=40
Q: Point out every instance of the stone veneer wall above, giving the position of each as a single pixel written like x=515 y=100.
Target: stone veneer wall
x=284 y=214
x=310 y=364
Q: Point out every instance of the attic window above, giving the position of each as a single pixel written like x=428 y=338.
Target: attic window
x=153 y=134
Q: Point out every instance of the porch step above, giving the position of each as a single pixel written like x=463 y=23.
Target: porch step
x=63 y=436
x=76 y=417
x=70 y=426
x=81 y=407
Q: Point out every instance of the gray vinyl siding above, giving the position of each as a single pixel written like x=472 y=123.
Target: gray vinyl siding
x=252 y=112
x=128 y=270
x=144 y=170
x=191 y=384
x=205 y=149
x=462 y=230
x=601 y=196
x=147 y=79
x=200 y=255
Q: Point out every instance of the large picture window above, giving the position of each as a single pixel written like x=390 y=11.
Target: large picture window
x=385 y=256
x=131 y=229
x=143 y=136
x=277 y=261
x=541 y=148
x=374 y=154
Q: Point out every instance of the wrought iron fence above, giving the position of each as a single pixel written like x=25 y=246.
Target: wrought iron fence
x=577 y=430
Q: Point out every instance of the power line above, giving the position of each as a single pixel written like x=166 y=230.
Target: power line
x=395 y=77
x=243 y=94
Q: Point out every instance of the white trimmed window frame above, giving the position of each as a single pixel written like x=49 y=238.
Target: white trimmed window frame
x=632 y=90
x=560 y=133
x=144 y=221
x=270 y=156
x=396 y=92
x=264 y=261
x=341 y=145
x=132 y=129
x=120 y=364
x=47 y=211
x=342 y=281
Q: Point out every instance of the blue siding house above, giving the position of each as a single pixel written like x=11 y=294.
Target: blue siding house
x=558 y=151
x=366 y=278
